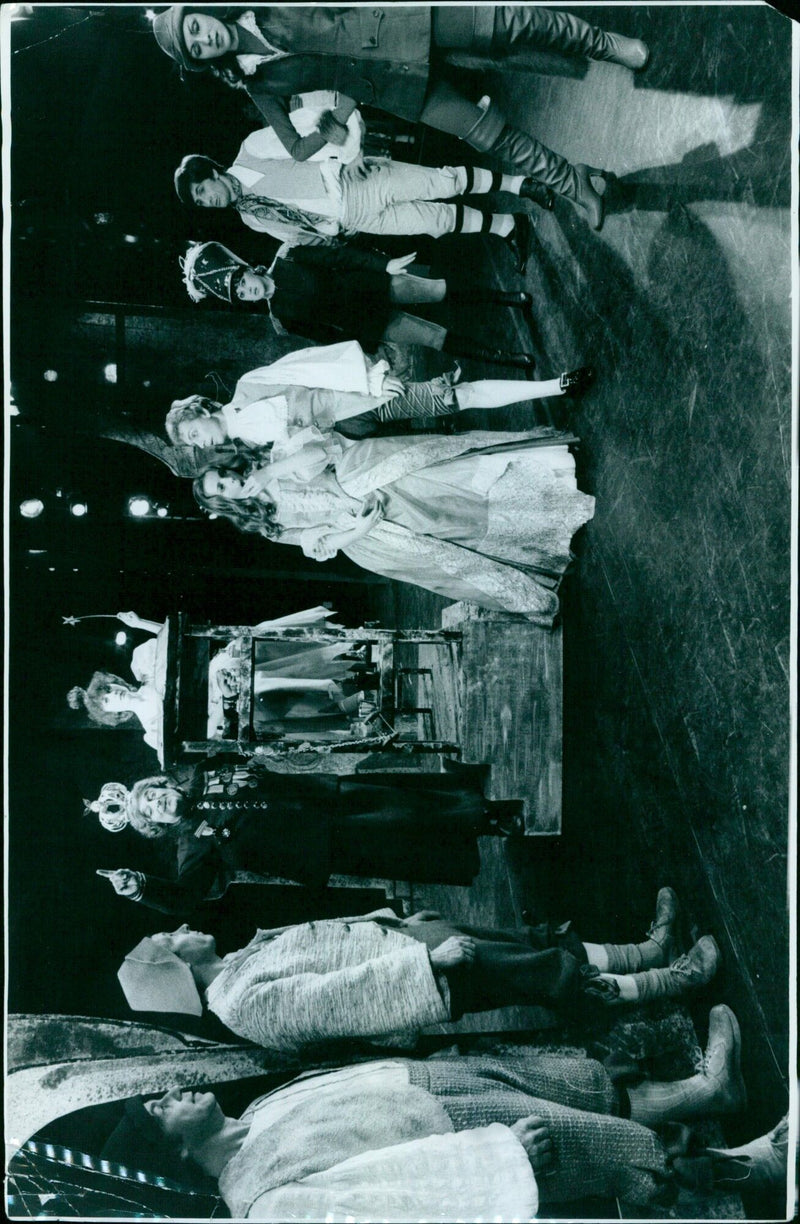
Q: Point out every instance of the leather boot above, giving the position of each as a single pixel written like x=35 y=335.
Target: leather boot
x=716 y=1087
x=689 y=972
x=660 y=947
x=534 y=28
x=485 y=295
x=758 y=1165
x=520 y=153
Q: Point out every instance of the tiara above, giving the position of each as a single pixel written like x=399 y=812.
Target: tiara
x=111 y=806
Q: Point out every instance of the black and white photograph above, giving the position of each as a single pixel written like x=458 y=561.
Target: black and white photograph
x=441 y=865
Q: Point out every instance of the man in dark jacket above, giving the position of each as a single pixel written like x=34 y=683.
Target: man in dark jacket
x=235 y=814
x=394 y=58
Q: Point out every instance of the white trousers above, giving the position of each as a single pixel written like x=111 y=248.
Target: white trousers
x=397 y=198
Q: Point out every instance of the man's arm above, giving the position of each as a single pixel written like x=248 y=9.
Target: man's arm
x=343 y=257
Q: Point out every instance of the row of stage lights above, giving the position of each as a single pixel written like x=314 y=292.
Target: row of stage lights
x=138 y=507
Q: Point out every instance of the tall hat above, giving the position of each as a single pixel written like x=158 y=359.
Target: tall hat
x=154 y=979
x=208 y=267
x=168 y=29
x=111 y=806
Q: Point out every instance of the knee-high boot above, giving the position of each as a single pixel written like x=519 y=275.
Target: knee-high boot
x=518 y=28
x=484 y=127
x=517 y=151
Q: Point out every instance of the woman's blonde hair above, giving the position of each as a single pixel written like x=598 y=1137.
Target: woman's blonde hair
x=91 y=699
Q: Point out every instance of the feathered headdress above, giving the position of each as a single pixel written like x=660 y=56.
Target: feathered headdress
x=208 y=267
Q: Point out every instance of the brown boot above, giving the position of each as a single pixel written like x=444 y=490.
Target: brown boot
x=716 y=1087
x=661 y=946
x=689 y=972
x=759 y=1165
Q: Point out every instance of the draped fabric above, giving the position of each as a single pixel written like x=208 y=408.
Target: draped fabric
x=46 y=1180
x=274 y=213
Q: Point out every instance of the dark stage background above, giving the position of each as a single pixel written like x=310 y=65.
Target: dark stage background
x=677 y=627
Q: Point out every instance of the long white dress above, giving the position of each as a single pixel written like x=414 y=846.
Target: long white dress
x=486 y=517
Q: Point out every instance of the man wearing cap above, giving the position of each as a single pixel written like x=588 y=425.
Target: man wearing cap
x=381 y=978
x=464 y=1137
x=449 y=1138
x=395 y=58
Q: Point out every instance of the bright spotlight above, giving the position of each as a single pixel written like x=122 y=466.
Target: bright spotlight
x=50 y=375
x=121 y=638
x=32 y=507
x=78 y=509
x=131 y=238
x=139 y=507
x=162 y=511
x=110 y=372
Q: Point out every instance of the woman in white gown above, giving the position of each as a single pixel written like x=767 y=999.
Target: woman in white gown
x=486 y=517
x=295 y=683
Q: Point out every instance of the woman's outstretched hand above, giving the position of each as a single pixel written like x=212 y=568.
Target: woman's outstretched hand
x=324 y=549
x=129 y=618
x=396 y=267
x=371 y=513
x=392 y=386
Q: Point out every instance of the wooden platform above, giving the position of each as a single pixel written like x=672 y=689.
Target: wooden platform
x=509 y=703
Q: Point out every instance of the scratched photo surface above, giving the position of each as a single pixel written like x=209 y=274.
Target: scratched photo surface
x=525 y=662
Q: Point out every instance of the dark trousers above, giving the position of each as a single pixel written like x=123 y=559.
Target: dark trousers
x=529 y=966
x=420 y=827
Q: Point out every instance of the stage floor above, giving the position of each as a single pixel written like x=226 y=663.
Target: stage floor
x=677 y=618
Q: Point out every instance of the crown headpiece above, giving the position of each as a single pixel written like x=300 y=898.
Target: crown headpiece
x=111 y=806
x=208 y=267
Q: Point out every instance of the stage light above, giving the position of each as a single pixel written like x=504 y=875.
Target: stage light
x=162 y=511
x=110 y=372
x=36 y=552
x=139 y=507
x=13 y=410
x=50 y=375
x=78 y=509
x=121 y=638
x=32 y=507
x=129 y=238
x=213 y=516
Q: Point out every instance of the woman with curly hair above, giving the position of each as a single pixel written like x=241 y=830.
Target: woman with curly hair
x=111 y=701
x=485 y=517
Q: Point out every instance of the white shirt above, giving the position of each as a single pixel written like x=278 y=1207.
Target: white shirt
x=260 y=422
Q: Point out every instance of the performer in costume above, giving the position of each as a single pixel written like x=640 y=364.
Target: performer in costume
x=394 y=58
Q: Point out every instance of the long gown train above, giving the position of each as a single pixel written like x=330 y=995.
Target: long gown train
x=464 y=523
